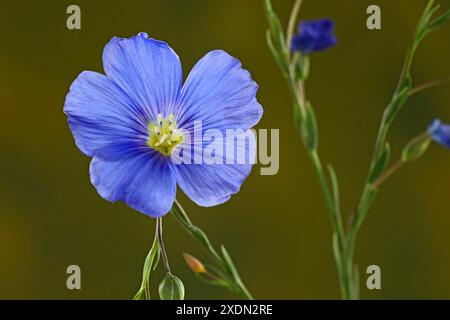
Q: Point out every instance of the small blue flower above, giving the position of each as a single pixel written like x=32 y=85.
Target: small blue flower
x=314 y=35
x=132 y=119
x=440 y=133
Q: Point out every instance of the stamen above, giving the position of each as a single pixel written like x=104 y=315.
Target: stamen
x=164 y=134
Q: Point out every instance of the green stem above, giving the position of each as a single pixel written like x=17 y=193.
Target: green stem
x=164 y=256
x=387 y=174
x=427 y=85
x=334 y=211
x=224 y=263
x=335 y=218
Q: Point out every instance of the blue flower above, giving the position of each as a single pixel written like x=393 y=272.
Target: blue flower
x=314 y=35
x=440 y=132
x=133 y=119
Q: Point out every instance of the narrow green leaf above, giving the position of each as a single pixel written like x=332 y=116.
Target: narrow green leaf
x=292 y=20
x=278 y=56
x=300 y=65
x=355 y=282
x=310 y=132
x=141 y=294
x=397 y=103
x=276 y=28
x=440 y=20
x=298 y=117
x=229 y=263
x=424 y=24
x=335 y=186
x=338 y=259
x=381 y=163
x=337 y=252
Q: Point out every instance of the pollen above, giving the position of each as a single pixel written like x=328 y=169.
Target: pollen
x=164 y=135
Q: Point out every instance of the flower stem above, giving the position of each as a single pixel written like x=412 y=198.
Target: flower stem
x=427 y=85
x=387 y=174
x=223 y=262
x=159 y=233
x=297 y=90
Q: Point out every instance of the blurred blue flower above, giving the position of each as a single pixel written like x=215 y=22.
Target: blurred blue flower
x=132 y=119
x=314 y=35
x=440 y=133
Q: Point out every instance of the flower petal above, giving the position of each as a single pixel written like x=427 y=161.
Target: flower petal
x=100 y=115
x=213 y=184
x=314 y=35
x=220 y=93
x=144 y=182
x=147 y=69
x=440 y=133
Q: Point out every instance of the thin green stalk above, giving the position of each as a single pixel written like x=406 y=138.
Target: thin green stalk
x=297 y=91
x=332 y=207
x=428 y=85
x=336 y=220
x=224 y=262
x=387 y=174
x=162 y=247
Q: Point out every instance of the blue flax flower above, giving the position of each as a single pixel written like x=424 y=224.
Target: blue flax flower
x=440 y=133
x=131 y=121
x=314 y=35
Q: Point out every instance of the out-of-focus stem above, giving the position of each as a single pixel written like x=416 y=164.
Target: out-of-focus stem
x=387 y=174
x=427 y=85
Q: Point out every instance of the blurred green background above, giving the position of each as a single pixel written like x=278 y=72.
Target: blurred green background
x=276 y=228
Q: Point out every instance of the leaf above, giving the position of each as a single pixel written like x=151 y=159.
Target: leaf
x=355 y=282
x=300 y=65
x=310 y=128
x=337 y=252
x=335 y=186
x=439 y=20
x=380 y=164
x=142 y=294
x=398 y=101
x=275 y=28
x=229 y=263
x=278 y=56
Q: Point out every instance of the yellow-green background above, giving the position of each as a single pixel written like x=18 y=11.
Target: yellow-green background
x=276 y=228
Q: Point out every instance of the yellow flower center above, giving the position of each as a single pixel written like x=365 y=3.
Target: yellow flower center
x=164 y=135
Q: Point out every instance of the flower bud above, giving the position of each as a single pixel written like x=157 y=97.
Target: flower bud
x=416 y=148
x=193 y=263
x=171 y=288
x=440 y=133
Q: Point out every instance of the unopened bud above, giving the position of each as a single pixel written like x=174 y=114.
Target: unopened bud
x=171 y=288
x=193 y=263
x=416 y=148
